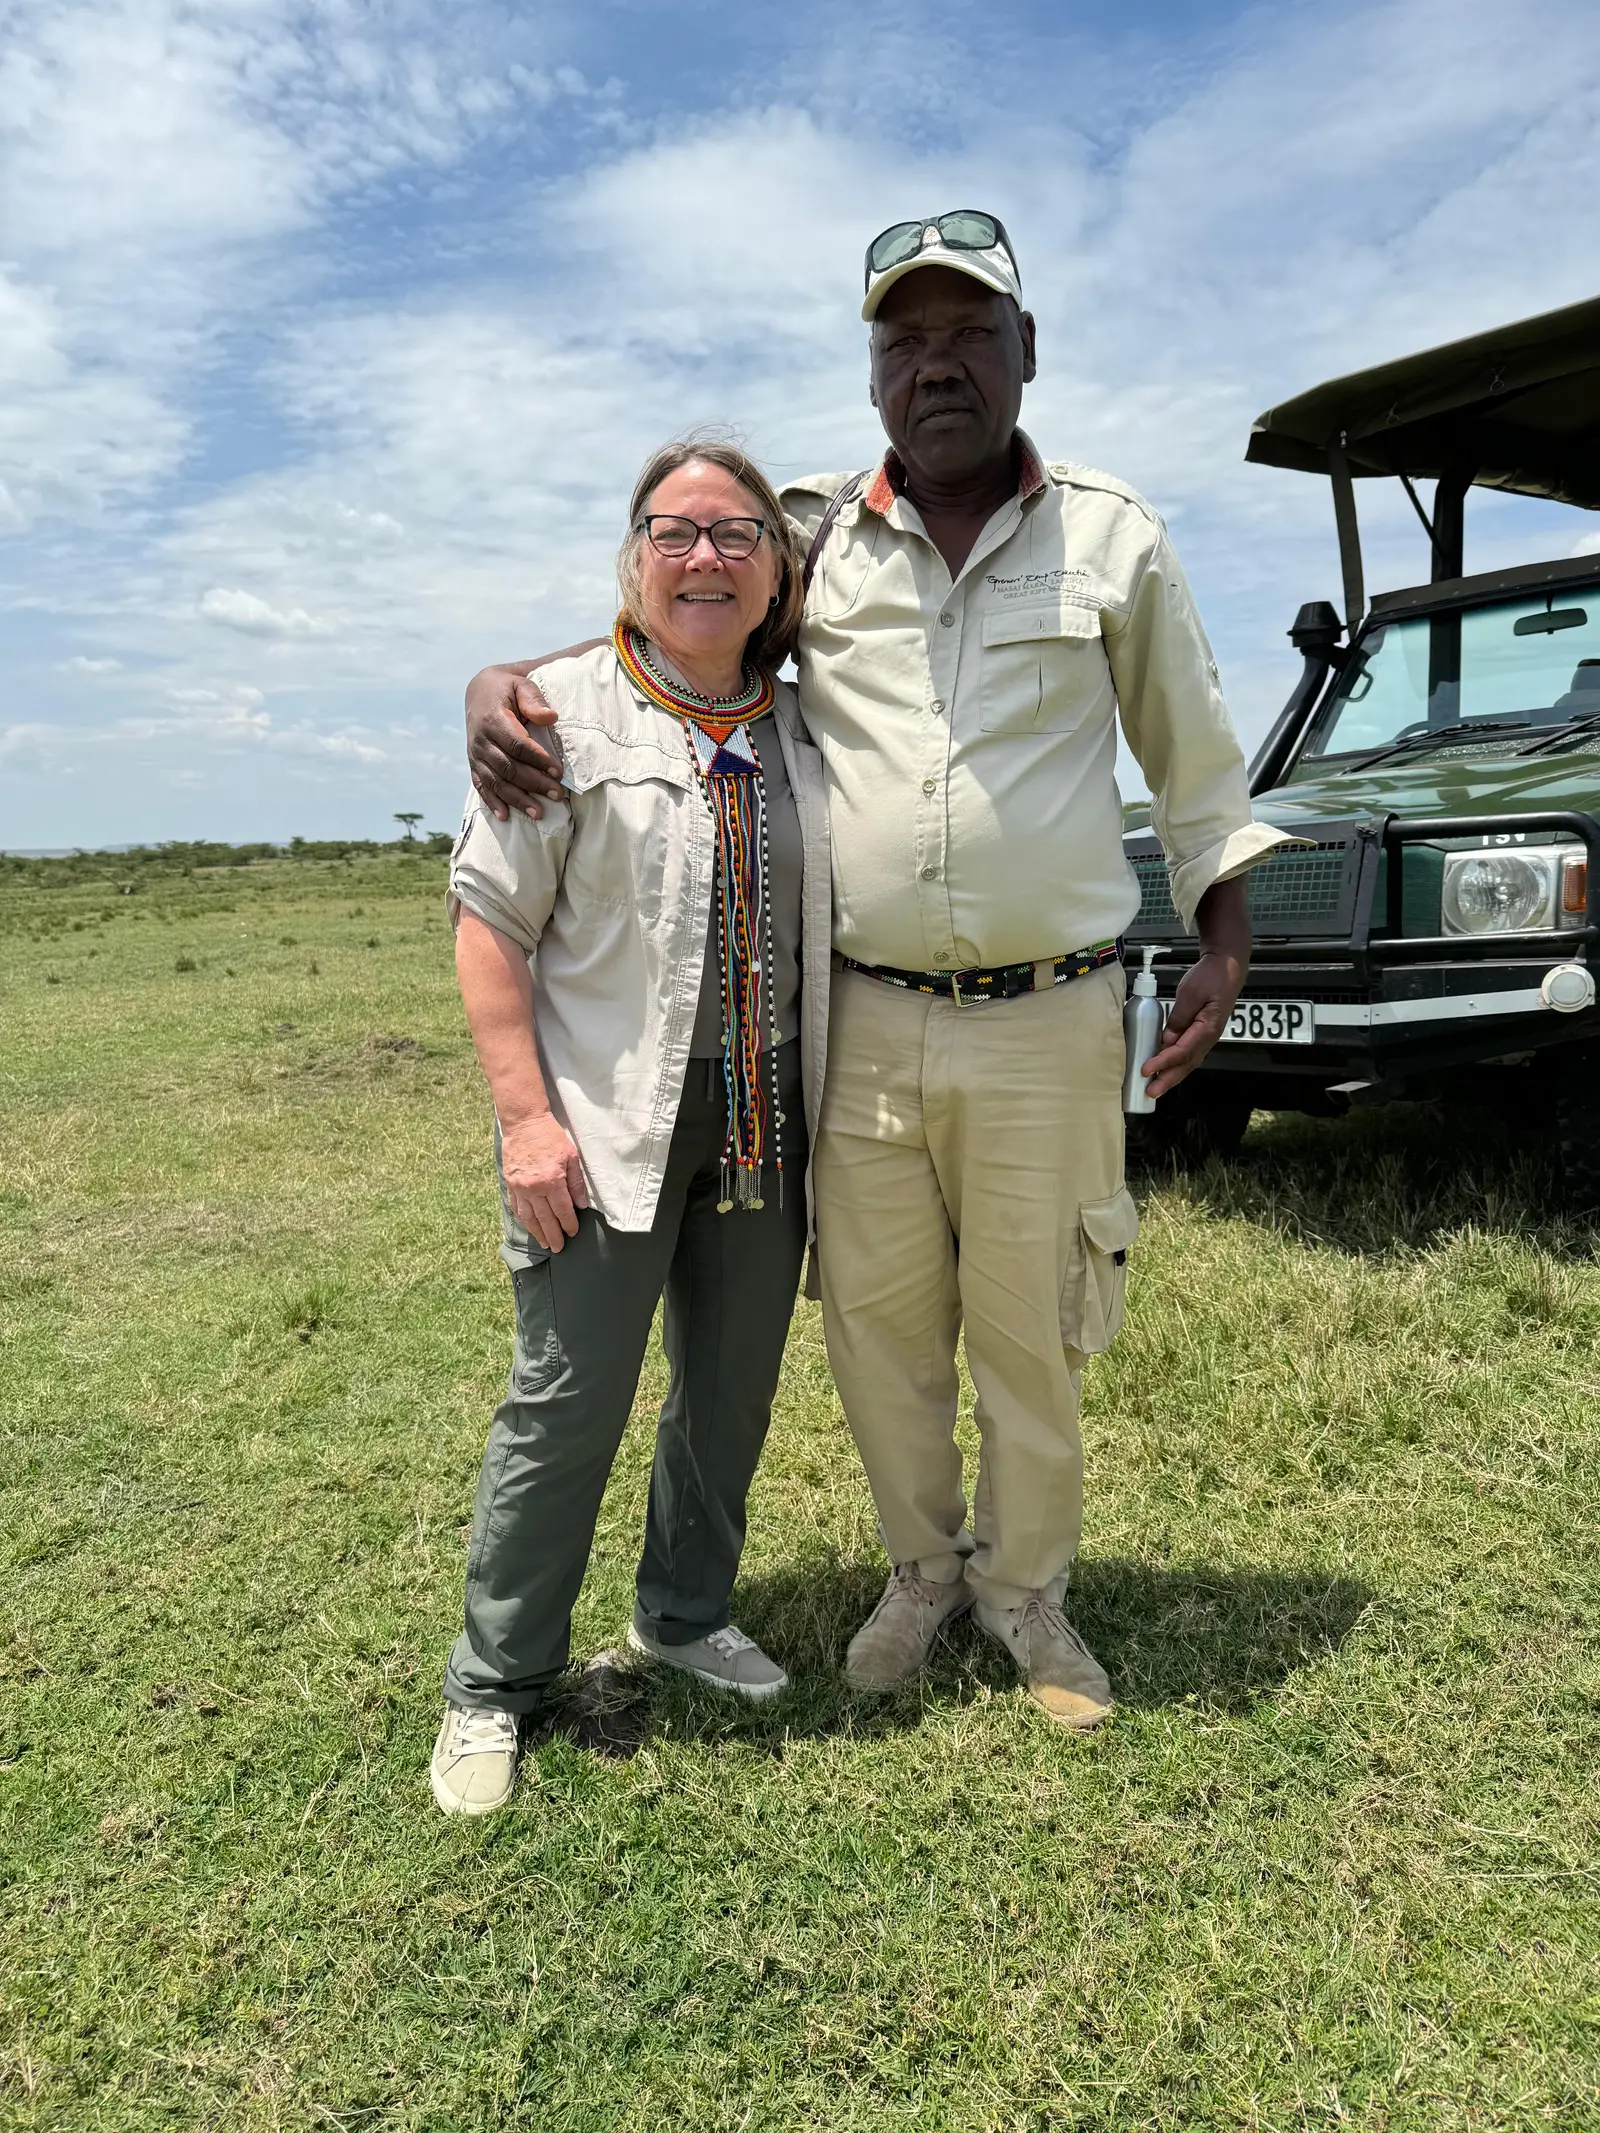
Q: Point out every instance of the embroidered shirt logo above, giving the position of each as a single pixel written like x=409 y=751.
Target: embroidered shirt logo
x=1033 y=584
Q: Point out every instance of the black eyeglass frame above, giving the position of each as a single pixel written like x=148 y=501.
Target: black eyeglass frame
x=953 y=244
x=681 y=518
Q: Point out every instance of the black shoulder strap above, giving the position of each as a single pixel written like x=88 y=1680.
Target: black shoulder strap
x=835 y=506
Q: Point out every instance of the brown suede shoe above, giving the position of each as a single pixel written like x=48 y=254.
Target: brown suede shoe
x=1063 y=1675
x=893 y=1644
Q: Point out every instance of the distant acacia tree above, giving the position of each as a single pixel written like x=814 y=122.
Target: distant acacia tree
x=409 y=822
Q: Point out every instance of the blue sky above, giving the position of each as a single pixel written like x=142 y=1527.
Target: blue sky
x=331 y=334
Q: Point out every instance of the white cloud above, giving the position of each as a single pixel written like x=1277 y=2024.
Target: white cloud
x=78 y=664
x=23 y=751
x=1588 y=545
x=75 y=436
x=168 y=176
x=229 y=718
x=238 y=610
x=246 y=698
x=346 y=744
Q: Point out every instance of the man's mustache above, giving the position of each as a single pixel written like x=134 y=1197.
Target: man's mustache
x=933 y=400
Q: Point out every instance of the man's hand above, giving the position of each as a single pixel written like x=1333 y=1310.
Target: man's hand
x=508 y=769
x=544 y=1179
x=1208 y=988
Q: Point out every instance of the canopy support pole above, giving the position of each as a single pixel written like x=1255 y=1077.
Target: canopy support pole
x=1344 y=519
x=1449 y=519
x=1416 y=505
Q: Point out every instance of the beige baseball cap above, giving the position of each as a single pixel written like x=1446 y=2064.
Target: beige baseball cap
x=968 y=239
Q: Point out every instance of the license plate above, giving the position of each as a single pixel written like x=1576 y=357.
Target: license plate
x=1271 y=1022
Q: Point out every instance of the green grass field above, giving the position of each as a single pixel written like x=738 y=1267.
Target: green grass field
x=1333 y=1864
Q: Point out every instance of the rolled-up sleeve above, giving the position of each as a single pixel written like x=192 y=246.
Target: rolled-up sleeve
x=1170 y=702
x=507 y=873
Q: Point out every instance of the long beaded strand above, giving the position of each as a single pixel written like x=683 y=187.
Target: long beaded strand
x=768 y=974
x=740 y=827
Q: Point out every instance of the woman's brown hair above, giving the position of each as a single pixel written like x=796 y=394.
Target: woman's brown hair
x=773 y=639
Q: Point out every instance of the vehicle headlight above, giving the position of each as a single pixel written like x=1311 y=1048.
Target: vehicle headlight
x=1529 y=888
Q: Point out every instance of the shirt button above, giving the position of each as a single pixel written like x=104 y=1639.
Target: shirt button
x=937 y=707
x=947 y=620
x=944 y=956
x=930 y=873
x=930 y=784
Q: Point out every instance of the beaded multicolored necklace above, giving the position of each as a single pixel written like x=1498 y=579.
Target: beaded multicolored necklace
x=754 y=695
x=735 y=792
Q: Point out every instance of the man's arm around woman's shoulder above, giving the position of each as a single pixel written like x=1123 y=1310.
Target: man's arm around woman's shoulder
x=510 y=771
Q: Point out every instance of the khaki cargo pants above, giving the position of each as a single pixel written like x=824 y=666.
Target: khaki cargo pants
x=969 y=1173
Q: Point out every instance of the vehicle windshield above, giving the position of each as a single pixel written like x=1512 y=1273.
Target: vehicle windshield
x=1522 y=662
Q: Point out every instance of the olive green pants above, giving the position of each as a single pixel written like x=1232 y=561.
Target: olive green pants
x=583 y=1319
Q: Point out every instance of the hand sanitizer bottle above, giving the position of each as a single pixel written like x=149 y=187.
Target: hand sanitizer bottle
x=1143 y=1019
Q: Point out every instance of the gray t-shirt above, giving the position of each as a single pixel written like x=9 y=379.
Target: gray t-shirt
x=785 y=854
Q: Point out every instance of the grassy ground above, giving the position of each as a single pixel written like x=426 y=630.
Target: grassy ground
x=1332 y=1865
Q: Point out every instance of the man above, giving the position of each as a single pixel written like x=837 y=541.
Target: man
x=976 y=623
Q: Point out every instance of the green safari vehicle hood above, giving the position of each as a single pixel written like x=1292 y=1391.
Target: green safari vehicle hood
x=1453 y=781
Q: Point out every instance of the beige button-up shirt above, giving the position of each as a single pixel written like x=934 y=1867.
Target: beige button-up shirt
x=968 y=728
x=609 y=895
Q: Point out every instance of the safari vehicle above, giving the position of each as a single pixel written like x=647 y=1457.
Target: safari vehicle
x=1435 y=935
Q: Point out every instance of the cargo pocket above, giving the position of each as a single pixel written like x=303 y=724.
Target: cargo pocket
x=1097 y=1273
x=537 y=1361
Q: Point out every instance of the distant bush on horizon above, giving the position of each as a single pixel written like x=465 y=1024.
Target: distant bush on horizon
x=146 y=860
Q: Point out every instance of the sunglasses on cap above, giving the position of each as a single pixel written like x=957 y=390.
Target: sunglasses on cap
x=966 y=229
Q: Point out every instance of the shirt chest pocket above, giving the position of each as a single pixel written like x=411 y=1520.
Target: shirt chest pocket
x=635 y=811
x=1044 y=668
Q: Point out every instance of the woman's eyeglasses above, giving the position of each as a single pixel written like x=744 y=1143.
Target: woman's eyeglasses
x=966 y=229
x=734 y=539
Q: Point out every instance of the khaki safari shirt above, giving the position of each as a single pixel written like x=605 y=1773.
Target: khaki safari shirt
x=609 y=895
x=967 y=728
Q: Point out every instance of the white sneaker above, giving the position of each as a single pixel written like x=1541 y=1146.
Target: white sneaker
x=474 y=1760
x=727 y=1658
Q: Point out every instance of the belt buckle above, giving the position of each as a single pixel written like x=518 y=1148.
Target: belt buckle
x=973 y=999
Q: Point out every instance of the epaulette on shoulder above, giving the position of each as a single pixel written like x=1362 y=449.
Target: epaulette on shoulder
x=1082 y=477
x=824 y=485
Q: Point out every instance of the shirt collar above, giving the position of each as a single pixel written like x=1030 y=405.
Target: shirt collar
x=889 y=477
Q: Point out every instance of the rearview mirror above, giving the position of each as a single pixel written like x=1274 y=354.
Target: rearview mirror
x=1561 y=618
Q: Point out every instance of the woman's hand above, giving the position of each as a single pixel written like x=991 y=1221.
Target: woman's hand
x=544 y=1179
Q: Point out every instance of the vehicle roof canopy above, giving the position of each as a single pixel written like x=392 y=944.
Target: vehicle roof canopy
x=1517 y=408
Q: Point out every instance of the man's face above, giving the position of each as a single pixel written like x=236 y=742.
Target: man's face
x=949 y=361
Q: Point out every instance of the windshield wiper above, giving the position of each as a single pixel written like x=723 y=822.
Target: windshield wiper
x=1463 y=729
x=1562 y=736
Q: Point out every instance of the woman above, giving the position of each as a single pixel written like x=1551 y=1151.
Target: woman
x=631 y=970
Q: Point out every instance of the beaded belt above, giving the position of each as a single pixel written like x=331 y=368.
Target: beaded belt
x=980 y=988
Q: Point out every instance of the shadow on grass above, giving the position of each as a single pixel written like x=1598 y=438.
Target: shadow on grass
x=1397 y=1175
x=1218 y=1639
